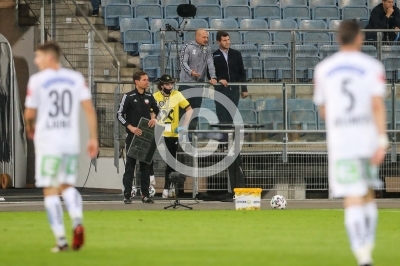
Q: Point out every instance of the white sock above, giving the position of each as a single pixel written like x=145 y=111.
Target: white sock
x=55 y=216
x=356 y=231
x=152 y=179
x=371 y=218
x=73 y=202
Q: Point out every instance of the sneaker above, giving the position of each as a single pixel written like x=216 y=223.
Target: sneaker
x=165 y=194
x=95 y=13
x=79 y=238
x=127 y=201
x=147 y=200
x=127 y=197
x=58 y=249
x=152 y=181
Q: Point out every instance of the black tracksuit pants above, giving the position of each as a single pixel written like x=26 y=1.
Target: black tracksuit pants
x=127 y=179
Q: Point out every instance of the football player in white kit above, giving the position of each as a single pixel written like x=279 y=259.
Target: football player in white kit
x=350 y=90
x=53 y=102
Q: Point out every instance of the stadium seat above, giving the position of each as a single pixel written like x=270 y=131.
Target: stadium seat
x=272 y=119
x=170 y=7
x=320 y=3
x=267 y=12
x=237 y=12
x=305 y=67
x=248 y=117
x=257 y=37
x=254 y=3
x=300 y=104
x=204 y=2
x=253 y=66
x=390 y=51
x=226 y=3
x=246 y=104
x=144 y=2
x=157 y=24
x=334 y=24
x=148 y=11
x=344 y=3
x=194 y=24
x=151 y=65
x=268 y=104
x=208 y=103
x=355 y=12
x=283 y=37
x=285 y=3
x=207 y=117
x=392 y=67
x=246 y=49
x=277 y=50
x=133 y=38
x=209 y=12
x=106 y=2
x=369 y=50
x=373 y=3
x=324 y=9
x=306 y=119
x=113 y=13
x=277 y=68
x=316 y=38
x=132 y=23
x=148 y=49
x=296 y=12
x=306 y=50
x=227 y=24
x=327 y=50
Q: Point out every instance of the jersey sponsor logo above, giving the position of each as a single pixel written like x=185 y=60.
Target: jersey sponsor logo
x=53 y=81
x=161 y=104
x=194 y=51
x=347 y=68
x=355 y=120
x=146 y=101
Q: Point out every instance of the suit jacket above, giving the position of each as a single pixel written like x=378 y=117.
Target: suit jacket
x=231 y=71
x=378 y=20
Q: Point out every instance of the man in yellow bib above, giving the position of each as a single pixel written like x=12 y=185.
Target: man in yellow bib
x=169 y=101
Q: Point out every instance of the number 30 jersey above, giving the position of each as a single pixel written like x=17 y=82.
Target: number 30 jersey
x=56 y=95
x=345 y=84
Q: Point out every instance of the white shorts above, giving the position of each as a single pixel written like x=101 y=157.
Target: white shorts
x=352 y=177
x=54 y=169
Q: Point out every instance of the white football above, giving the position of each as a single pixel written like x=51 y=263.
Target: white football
x=278 y=202
x=152 y=191
x=133 y=192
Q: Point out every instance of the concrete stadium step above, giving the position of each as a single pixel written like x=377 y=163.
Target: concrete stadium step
x=109 y=88
x=99 y=72
x=7 y=3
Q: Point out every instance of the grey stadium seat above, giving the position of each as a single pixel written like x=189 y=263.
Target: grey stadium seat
x=151 y=65
x=267 y=12
x=148 y=11
x=324 y=9
x=300 y=104
x=170 y=7
x=334 y=24
x=373 y=3
x=315 y=37
x=157 y=24
x=268 y=104
x=248 y=117
x=273 y=119
x=194 y=24
x=209 y=12
x=132 y=23
x=254 y=3
x=208 y=103
x=389 y=51
x=392 y=67
x=312 y=24
x=305 y=67
x=106 y=2
x=355 y=12
x=148 y=49
x=318 y=3
x=113 y=13
x=253 y=24
x=283 y=37
x=225 y=24
x=296 y=12
x=133 y=38
x=327 y=50
x=306 y=50
x=165 y=3
x=246 y=104
x=205 y=2
x=369 y=50
x=253 y=66
x=207 y=117
x=144 y=2
x=237 y=12
x=226 y=3
x=246 y=49
x=277 y=68
x=255 y=37
x=285 y=3
x=277 y=50
x=303 y=119
x=343 y=3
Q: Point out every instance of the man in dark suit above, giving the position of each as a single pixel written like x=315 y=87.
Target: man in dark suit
x=384 y=16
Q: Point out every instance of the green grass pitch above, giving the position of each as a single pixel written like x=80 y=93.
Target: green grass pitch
x=190 y=238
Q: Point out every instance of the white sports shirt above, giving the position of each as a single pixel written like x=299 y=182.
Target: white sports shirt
x=57 y=94
x=345 y=84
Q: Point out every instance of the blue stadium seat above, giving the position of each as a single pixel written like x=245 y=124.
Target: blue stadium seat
x=389 y=51
x=327 y=50
x=277 y=68
x=209 y=12
x=300 y=104
x=151 y=65
x=305 y=67
x=324 y=9
x=296 y=12
x=227 y=24
x=133 y=38
x=106 y=2
x=283 y=37
x=268 y=104
x=113 y=13
x=334 y=24
x=208 y=103
x=253 y=24
x=205 y=2
x=317 y=38
x=144 y=2
x=157 y=24
x=148 y=49
x=246 y=49
x=132 y=23
x=253 y=66
x=285 y=3
x=207 y=117
x=246 y=104
x=355 y=12
x=305 y=119
x=237 y=12
x=306 y=50
x=255 y=37
x=344 y=3
x=369 y=50
x=373 y=3
x=392 y=67
x=254 y=3
x=267 y=12
x=194 y=24
x=226 y=3
x=275 y=50
x=170 y=7
x=273 y=119
x=319 y=3
x=249 y=117
x=148 y=11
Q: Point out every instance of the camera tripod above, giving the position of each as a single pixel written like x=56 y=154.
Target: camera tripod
x=177 y=179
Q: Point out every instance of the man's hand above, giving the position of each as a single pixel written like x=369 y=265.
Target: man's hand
x=379 y=156
x=135 y=130
x=213 y=81
x=389 y=11
x=93 y=148
x=30 y=132
x=195 y=74
x=224 y=82
x=245 y=94
x=397 y=28
x=152 y=122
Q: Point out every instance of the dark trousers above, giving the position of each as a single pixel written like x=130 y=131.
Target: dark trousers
x=224 y=117
x=127 y=180
x=195 y=103
x=96 y=4
x=236 y=175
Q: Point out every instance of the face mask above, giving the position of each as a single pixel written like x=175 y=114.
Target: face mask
x=167 y=92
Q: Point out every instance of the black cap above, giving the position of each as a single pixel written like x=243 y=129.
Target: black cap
x=166 y=79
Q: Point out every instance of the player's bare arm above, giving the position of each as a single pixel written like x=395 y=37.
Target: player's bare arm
x=93 y=144
x=30 y=117
x=378 y=109
x=188 y=116
x=321 y=110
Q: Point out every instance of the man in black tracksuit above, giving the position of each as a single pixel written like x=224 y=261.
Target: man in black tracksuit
x=384 y=16
x=229 y=68
x=135 y=105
